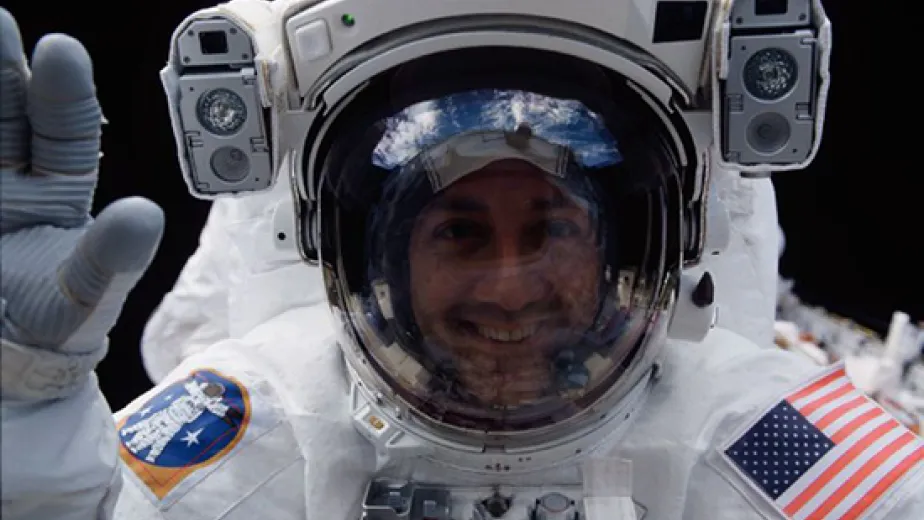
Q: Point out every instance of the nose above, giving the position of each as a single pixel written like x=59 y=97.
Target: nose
x=513 y=280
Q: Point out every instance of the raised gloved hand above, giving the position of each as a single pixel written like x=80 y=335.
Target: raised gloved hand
x=63 y=275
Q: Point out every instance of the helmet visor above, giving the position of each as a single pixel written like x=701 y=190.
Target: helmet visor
x=500 y=258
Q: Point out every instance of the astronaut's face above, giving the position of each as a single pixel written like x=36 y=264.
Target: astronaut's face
x=504 y=270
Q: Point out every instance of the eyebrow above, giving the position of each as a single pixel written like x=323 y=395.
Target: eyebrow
x=471 y=205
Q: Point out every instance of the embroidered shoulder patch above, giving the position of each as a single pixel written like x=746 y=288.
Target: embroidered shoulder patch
x=186 y=427
x=825 y=450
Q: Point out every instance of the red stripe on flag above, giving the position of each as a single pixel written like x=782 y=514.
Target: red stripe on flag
x=840 y=411
x=880 y=488
x=839 y=464
x=817 y=385
x=860 y=475
x=855 y=424
x=841 y=391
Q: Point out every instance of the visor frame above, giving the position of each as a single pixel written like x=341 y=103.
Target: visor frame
x=332 y=265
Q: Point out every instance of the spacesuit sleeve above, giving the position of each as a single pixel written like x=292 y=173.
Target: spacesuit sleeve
x=60 y=458
x=194 y=314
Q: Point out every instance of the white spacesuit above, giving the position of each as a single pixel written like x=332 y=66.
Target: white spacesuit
x=510 y=206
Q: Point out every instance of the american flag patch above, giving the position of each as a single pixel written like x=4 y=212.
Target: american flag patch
x=825 y=450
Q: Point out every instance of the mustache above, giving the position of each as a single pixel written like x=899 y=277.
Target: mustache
x=494 y=312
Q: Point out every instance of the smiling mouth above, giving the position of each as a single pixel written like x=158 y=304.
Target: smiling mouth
x=501 y=335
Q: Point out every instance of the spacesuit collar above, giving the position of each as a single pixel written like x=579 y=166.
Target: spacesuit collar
x=262 y=296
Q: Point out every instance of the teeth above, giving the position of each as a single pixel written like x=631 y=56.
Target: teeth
x=507 y=335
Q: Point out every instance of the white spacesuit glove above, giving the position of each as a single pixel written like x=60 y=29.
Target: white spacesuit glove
x=64 y=276
x=63 y=280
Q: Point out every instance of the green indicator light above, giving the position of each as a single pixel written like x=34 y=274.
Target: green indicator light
x=348 y=20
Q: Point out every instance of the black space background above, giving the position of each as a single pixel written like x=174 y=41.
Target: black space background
x=853 y=220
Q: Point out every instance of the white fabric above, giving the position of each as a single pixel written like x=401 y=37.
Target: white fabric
x=747 y=273
x=195 y=313
x=73 y=463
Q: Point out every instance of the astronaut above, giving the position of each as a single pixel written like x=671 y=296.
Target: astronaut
x=485 y=295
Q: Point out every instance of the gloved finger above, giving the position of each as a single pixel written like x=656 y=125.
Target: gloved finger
x=65 y=118
x=63 y=109
x=54 y=200
x=14 y=76
x=106 y=264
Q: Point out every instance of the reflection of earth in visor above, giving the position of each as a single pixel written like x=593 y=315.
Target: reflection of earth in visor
x=567 y=123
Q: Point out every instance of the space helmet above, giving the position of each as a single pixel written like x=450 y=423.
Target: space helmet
x=501 y=236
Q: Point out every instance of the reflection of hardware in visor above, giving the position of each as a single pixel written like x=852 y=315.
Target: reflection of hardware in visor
x=448 y=162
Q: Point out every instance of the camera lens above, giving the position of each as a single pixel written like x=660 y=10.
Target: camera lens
x=768 y=133
x=230 y=164
x=213 y=42
x=770 y=7
x=221 y=111
x=770 y=74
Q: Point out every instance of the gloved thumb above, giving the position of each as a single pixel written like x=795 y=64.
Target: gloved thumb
x=106 y=264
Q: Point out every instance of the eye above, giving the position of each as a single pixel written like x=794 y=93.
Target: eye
x=562 y=229
x=461 y=230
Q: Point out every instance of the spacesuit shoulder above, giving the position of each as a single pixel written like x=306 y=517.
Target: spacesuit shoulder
x=218 y=437
x=770 y=435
